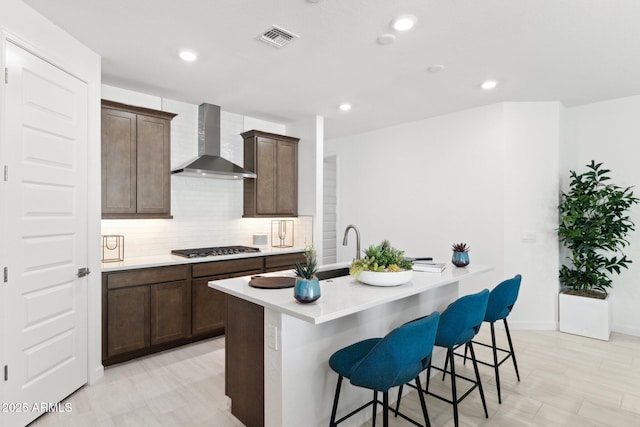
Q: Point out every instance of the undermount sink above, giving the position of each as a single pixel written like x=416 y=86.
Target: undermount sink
x=330 y=274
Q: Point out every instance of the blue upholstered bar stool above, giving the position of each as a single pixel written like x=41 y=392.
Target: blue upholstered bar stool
x=381 y=363
x=501 y=301
x=459 y=323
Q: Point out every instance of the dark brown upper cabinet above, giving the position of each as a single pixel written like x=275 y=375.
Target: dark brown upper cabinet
x=274 y=159
x=136 y=163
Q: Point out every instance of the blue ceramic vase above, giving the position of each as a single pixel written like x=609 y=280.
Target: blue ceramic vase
x=460 y=259
x=306 y=290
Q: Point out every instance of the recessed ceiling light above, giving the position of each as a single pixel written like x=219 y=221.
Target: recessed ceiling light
x=345 y=106
x=489 y=84
x=435 y=68
x=404 y=22
x=188 y=55
x=386 y=38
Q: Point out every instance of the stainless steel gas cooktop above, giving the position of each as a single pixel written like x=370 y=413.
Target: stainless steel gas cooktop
x=215 y=251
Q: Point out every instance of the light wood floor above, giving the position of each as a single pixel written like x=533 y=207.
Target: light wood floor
x=565 y=381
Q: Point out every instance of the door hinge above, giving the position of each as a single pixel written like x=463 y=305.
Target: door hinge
x=6 y=75
x=6 y=372
x=6 y=274
x=83 y=271
x=6 y=173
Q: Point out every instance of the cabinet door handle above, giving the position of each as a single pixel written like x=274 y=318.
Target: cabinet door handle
x=83 y=271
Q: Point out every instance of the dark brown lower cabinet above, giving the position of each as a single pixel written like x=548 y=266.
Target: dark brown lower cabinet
x=208 y=305
x=152 y=309
x=170 y=312
x=207 y=308
x=244 y=360
x=144 y=311
x=127 y=320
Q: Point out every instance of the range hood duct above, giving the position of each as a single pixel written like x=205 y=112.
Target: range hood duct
x=210 y=163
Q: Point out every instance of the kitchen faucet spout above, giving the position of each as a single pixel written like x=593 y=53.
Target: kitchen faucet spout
x=346 y=235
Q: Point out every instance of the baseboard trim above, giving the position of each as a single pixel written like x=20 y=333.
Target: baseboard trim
x=96 y=374
x=533 y=326
x=626 y=329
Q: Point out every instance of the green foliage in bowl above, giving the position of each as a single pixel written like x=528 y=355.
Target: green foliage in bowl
x=382 y=257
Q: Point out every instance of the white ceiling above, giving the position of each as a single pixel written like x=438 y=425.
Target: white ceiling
x=573 y=51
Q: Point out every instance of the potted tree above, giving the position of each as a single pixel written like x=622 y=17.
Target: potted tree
x=594 y=223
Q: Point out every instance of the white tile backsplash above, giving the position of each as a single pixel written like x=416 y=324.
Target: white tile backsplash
x=206 y=212
x=150 y=237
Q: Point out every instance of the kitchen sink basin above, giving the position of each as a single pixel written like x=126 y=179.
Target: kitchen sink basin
x=330 y=274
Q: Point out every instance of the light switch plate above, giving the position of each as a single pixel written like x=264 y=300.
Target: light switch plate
x=528 y=237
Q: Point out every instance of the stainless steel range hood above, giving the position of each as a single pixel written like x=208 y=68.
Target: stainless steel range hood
x=210 y=163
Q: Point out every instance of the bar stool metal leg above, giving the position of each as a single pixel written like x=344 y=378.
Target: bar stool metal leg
x=421 y=392
x=475 y=368
x=332 y=422
x=495 y=361
x=513 y=354
x=385 y=409
x=375 y=407
x=423 y=404
x=454 y=392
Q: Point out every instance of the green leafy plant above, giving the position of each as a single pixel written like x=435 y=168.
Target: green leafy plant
x=460 y=247
x=382 y=257
x=594 y=223
x=310 y=268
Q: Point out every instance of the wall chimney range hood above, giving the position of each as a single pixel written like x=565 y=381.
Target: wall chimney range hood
x=210 y=163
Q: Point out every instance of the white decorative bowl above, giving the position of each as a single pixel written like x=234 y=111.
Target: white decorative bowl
x=385 y=278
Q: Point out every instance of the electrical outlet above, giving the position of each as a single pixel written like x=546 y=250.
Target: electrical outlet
x=272 y=337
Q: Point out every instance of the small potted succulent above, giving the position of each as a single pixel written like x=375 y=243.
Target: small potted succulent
x=307 y=287
x=460 y=256
x=382 y=265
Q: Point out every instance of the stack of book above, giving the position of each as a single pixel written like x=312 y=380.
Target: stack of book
x=429 y=266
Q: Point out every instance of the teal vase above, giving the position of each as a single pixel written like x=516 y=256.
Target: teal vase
x=306 y=290
x=460 y=259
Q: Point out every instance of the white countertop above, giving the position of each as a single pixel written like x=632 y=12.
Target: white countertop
x=168 y=259
x=341 y=296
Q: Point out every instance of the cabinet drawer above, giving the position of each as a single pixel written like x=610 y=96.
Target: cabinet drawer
x=146 y=276
x=225 y=267
x=282 y=262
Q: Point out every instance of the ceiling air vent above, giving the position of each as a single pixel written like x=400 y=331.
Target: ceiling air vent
x=276 y=36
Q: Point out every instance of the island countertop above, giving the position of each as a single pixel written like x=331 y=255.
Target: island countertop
x=341 y=296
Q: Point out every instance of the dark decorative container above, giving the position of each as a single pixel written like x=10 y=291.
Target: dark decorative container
x=460 y=259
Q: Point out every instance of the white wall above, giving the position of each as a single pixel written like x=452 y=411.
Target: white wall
x=609 y=132
x=27 y=28
x=206 y=212
x=485 y=176
x=530 y=220
x=310 y=173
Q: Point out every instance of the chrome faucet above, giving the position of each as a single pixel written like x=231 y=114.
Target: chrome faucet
x=346 y=235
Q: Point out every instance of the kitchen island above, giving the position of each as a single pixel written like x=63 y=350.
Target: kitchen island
x=277 y=350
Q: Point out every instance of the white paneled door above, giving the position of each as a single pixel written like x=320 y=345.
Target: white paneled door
x=45 y=230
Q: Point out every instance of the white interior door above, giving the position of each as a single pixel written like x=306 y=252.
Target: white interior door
x=45 y=210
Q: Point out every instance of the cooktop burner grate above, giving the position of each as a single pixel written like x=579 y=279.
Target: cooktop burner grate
x=214 y=251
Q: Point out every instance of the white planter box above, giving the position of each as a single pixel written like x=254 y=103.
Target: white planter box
x=589 y=317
